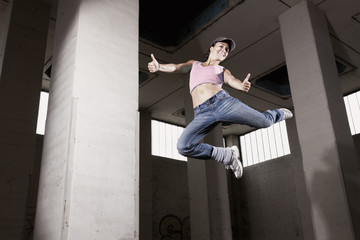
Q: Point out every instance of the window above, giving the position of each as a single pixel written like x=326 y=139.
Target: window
x=352 y=105
x=164 y=140
x=269 y=143
x=43 y=105
x=264 y=144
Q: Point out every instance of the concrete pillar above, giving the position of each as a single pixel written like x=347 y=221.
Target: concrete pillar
x=89 y=174
x=20 y=86
x=5 y=12
x=146 y=193
x=302 y=198
x=237 y=198
x=209 y=202
x=330 y=167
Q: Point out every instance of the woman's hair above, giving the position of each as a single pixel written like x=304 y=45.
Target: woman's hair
x=206 y=55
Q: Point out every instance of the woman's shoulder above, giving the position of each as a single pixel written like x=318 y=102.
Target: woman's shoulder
x=192 y=63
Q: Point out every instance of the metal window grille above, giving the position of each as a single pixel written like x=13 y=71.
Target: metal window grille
x=164 y=140
x=352 y=105
x=264 y=144
x=42 y=114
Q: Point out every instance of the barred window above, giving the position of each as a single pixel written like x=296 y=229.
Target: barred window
x=352 y=105
x=164 y=140
x=264 y=144
x=43 y=106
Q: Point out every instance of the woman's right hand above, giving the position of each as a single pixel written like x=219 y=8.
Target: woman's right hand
x=154 y=65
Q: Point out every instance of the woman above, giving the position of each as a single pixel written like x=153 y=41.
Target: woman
x=212 y=104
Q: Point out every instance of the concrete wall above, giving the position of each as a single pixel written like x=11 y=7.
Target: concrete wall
x=263 y=202
x=170 y=199
x=357 y=145
x=30 y=208
x=270 y=209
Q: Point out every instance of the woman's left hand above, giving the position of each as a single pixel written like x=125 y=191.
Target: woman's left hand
x=246 y=85
x=236 y=83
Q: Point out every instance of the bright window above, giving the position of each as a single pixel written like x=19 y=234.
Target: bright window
x=43 y=106
x=164 y=140
x=352 y=104
x=264 y=144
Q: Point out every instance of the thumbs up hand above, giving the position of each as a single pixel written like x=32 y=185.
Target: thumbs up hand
x=246 y=84
x=154 y=65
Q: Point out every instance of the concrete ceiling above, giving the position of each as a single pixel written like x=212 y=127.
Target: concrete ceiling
x=253 y=24
x=170 y=28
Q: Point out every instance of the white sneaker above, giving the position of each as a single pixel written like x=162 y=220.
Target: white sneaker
x=235 y=164
x=287 y=113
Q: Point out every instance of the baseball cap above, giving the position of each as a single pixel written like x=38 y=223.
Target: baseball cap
x=224 y=39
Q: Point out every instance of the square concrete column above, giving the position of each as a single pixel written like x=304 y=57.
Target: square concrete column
x=330 y=166
x=5 y=13
x=302 y=199
x=209 y=201
x=89 y=174
x=146 y=193
x=23 y=40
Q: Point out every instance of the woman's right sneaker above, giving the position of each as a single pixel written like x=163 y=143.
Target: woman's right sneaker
x=287 y=113
x=235 y=164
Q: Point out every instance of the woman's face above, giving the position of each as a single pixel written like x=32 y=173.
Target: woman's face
x=220 y=50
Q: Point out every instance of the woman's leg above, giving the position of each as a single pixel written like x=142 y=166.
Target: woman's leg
x=234 y=111
x=226 y=109
x=188 y=144
x=204 y=121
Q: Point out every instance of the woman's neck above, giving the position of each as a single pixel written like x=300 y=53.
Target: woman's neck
x=211 y=62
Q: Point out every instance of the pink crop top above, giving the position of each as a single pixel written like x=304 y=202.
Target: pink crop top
x=209 y=74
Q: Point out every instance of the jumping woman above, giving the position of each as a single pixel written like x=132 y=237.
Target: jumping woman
x=212 y=105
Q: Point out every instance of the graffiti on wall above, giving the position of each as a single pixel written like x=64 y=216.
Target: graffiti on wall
x=172 y=228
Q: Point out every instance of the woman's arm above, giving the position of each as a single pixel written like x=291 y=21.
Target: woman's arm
x=155 y=66
x=236 y=83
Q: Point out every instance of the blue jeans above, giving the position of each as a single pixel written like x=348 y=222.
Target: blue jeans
x=220 y=108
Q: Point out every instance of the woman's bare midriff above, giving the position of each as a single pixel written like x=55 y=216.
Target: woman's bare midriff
x=203 y=92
